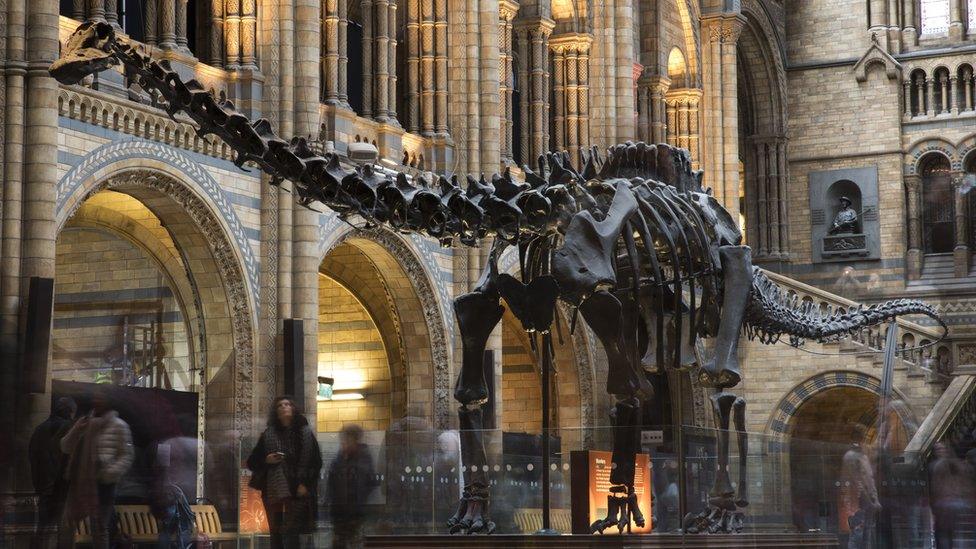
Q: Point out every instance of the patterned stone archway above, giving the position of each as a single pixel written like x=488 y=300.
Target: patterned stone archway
x=390 y=253
x=781 y=422
x=175 y=201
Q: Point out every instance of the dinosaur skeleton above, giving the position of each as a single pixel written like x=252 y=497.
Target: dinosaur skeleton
x=631 y=241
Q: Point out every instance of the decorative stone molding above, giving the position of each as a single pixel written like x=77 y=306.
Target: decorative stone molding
x=782 y=417
x=77 y=183
x=137 y=120
x=876 y=55
x=222 y=250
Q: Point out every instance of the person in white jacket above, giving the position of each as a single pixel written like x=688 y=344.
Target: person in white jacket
x=99 y=449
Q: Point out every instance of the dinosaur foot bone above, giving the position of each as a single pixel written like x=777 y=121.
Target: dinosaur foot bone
x=622 y=511
x=714 y=520
x=472 y=513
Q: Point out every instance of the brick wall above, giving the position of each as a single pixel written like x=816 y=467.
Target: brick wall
x=102 y=279
x=521 y=389
x=351 y=351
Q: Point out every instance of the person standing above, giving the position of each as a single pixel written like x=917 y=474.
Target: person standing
x=48 y=464
x=861 y=494
x=286 y=463
x=99 y=447
x=351 y=481
x=951 y=493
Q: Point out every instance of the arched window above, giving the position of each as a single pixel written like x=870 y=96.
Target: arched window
x=935 y=16
x=938 y=206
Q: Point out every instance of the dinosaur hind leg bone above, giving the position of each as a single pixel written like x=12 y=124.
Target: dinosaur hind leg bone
x=722 y=370
x=477 y=314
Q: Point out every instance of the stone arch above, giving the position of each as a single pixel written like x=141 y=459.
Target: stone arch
x=412 y=291
x=120 y=156
x=930 y=145
x=781 y=420
x=217 y=277
x=187 y=214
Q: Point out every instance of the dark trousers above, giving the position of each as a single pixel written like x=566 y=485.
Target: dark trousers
x=50 y=516
x=281 y=523
x=347 y=532
x=945 y=518
x=102 y=521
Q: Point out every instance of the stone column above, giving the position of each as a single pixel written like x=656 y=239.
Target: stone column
x=167 y=24
x=342 y=78
x=305 y=235
x=249 y=32
x=763 y=191
x=180 y=26
x=960 y=251
x=533 y=41
x=930 y=95
x=78 y=9
x=721 y=130
x=391 y=46
x=216 y=32
x=968 y=89
x=330 y=52
x=944 y=89
x=782 y=181
x=571 y=53
x=957 y=29
x=413 y=16
x=913 y=184
x=152 y=20
x=232 y=34
x=682 y=120
x=96 y=10
x=907 y=97
x=506 y=13
x=440 y=69
x=112 y=13
x=427 y=63
x=954 y=94
x=40 y=182
x=366 y=12
x=909 y=34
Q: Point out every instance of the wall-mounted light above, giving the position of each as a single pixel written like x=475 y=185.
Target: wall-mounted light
x=327 y=391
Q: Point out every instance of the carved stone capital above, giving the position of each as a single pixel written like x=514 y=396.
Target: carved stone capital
x=507 y=9
x=571 y=42
x=723 y=29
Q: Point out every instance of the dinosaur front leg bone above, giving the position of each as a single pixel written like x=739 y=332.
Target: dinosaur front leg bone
x=721 y=493
x=604 y=314
x=739 y=419
x=722 y=370
x=622 y=502
x=477 y=314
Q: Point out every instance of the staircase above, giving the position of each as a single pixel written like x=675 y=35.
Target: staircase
x=938 y=274
x=920 y=375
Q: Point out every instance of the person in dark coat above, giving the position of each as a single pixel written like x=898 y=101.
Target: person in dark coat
x=286 y=463
x=352 y=479
x=951 y=495
x=48 y=464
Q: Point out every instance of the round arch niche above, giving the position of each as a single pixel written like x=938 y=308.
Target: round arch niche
x=393 y=287
x=180 y=231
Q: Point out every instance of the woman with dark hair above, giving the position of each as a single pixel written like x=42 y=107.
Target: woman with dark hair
x=286 y=462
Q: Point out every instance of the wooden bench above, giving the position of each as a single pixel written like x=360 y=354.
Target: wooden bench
x=208 y=522
x=139 y=524
x=529 y=520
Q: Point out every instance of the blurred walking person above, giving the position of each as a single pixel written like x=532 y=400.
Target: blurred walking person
x=99 y=447
x=286 y=463
x=861 y=494
x=951 y=493
x=48 y=464
x=352 y=479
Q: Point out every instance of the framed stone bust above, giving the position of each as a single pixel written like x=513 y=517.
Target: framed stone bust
x=844 y=215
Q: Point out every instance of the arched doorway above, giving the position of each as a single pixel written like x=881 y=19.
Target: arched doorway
x=152 y=297
x=938 y=205
x=824 y=427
